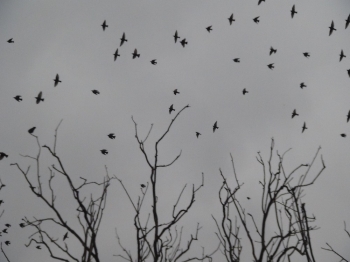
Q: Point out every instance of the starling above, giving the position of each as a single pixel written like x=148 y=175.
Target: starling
x=343 y=135
x=7 y=242
x=39 y=97
x=237 y=60
x=171 y=108
x=293 y=11
x=209 y=28
x=260 y=1
x=104 y=151
x=18 y=98
x=31 y=130
x=176 y=92
x=304 y=127
x=183 y=42
x=10 y=41
x=116 y=55
x=154 y=61
x=331 y=28
x=230 y=19
x=271 y=66
x=2 y=155
x=176 y=36
x=244 y=91
x=341 y=55
x=135 y=54
x=111 y=136
x=272 y=51
x=256 y=20
x=7 y=225
x=104 y=25
x=306 y=54
x=302 y=85
x=294 y=113
x=57 y=80
x=4 y=231
x=215 y=126
x=22 y=225
x=347 y=22
x=198 y=134
x=123 y=39
x=96 y=92
x=38 y=247
x=143 y=185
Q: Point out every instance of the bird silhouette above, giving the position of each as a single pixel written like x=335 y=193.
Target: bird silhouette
x=2 y=155
x=183 y=42
x=236 y=60
x=176 y=92
x=271 y=66
x=348 y=72
x=104 y=25
x=31 y=130
x=8 y=225
x=198 y=134
x=65 y=236
x=244 y=91
x=215 y=126
x=96 y=92
x=10 y=41
x=348 y=116
x=341 y=55
x=38 y=247
x=294 y=113
x=7 y=242
x=171 y=108
x=306 y=54
x=293 y=11
x=209 y=28
x=5 y=231
x=248 y=198
x=302 y=85
x=111 y=136
x=143 y=185
x=57 y=80
x=347 y=22
x=1 y=201
x=154 y=61
x=22 y=225
x=331 y=28
x=116 y=55
x=256 y=20
x=104 y=151
x=343 y=135
x=18 y=98
x=260 y=1
x=39 y=97
x=230 y=19
x=135 y=54
x=272 y=51
x=176 y=36
x=123 y=39
x=304 y=127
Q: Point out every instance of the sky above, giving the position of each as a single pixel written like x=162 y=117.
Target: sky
x=66 y=38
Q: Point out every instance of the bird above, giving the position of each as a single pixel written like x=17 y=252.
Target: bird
x=348 y=117
x=143 y=185
x=248 y=198
x=293 y=11
x=38 y=247
x=104 y=25
x=331 y=28
x=306 y=54
x=244 y=91
x=302 y=85
x=304 y=127
x=2 y=155
x=31 y=130
x=260 y=1
x=176 y=36
x=230 y=19
x=57 y=80
x=176 y=92
x=348 y=72
x=5 y=230
x=116 y=55
x=237 y=60
x=343 y=135
x=39 y=97
x=256 y=20
x=10 y=41
x=198 y=134
x=111 y=136
x=347 y=22
x=1 y=201
x=135 y=54
x=183 y=42
x=18 y=98
x=294 y=113
x=272 y=51
x=171 y=108
x=8 y=225
x=65 y=236
x=7 y=242
x=215 y=126
x=341 y=55
x=22 y=225
x=154 y=61
x=271 y=66
x=123 y=39
x=96 y=92
x=209 y=28
x=104 y=151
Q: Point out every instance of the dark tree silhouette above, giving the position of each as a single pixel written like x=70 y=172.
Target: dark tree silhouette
x=330 y=248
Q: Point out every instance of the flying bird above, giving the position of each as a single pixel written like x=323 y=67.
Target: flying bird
x=348 y=117
x=171 y=108
x=39 y=97
x=294 y=113
x=306 y=54
x=104 y=151
x=230 y=19
x=236 y=60
x=143 y=185
x=198 y=134
x=7 y=242
x=96 y=92
x=135 y=54
x=123 y=39
x=111 y=136
x=10 y=41
x=331 y=28
x=1 y=201
x=215 y=126
x=347 y=22
x=293 y=11
x=304 y=127
x=272 y=51
x=271 y=66
x=348 y=72
x=302 y=85
x=116 y=54
x=22 y=225
x=341 y=55
x=65 y=236
x=176 y=36
x=256 y=20
x=2 y=155
x=8 y=225
x=5 y=231
x=38 y=247
x=209 y=28
x=31 y=130
x=244 y=91
x=260 y=1
x=104 y=25
x=18 y=98
x=176 y=92
x=57 y=80
x=343 y=135
x=183 y=42
x=154 y=61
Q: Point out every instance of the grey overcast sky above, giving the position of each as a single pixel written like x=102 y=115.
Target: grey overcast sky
x=66 y=37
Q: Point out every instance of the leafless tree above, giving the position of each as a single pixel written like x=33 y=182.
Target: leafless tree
x=89 y=211
x=157 y=241
x=281 y=206
x=2 y=185
x=330 y=248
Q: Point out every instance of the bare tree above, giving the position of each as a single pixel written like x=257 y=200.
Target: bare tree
x=155 y=240
x=330 y=248
x=89 y=211
x=2 y=185
x=281 y=206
